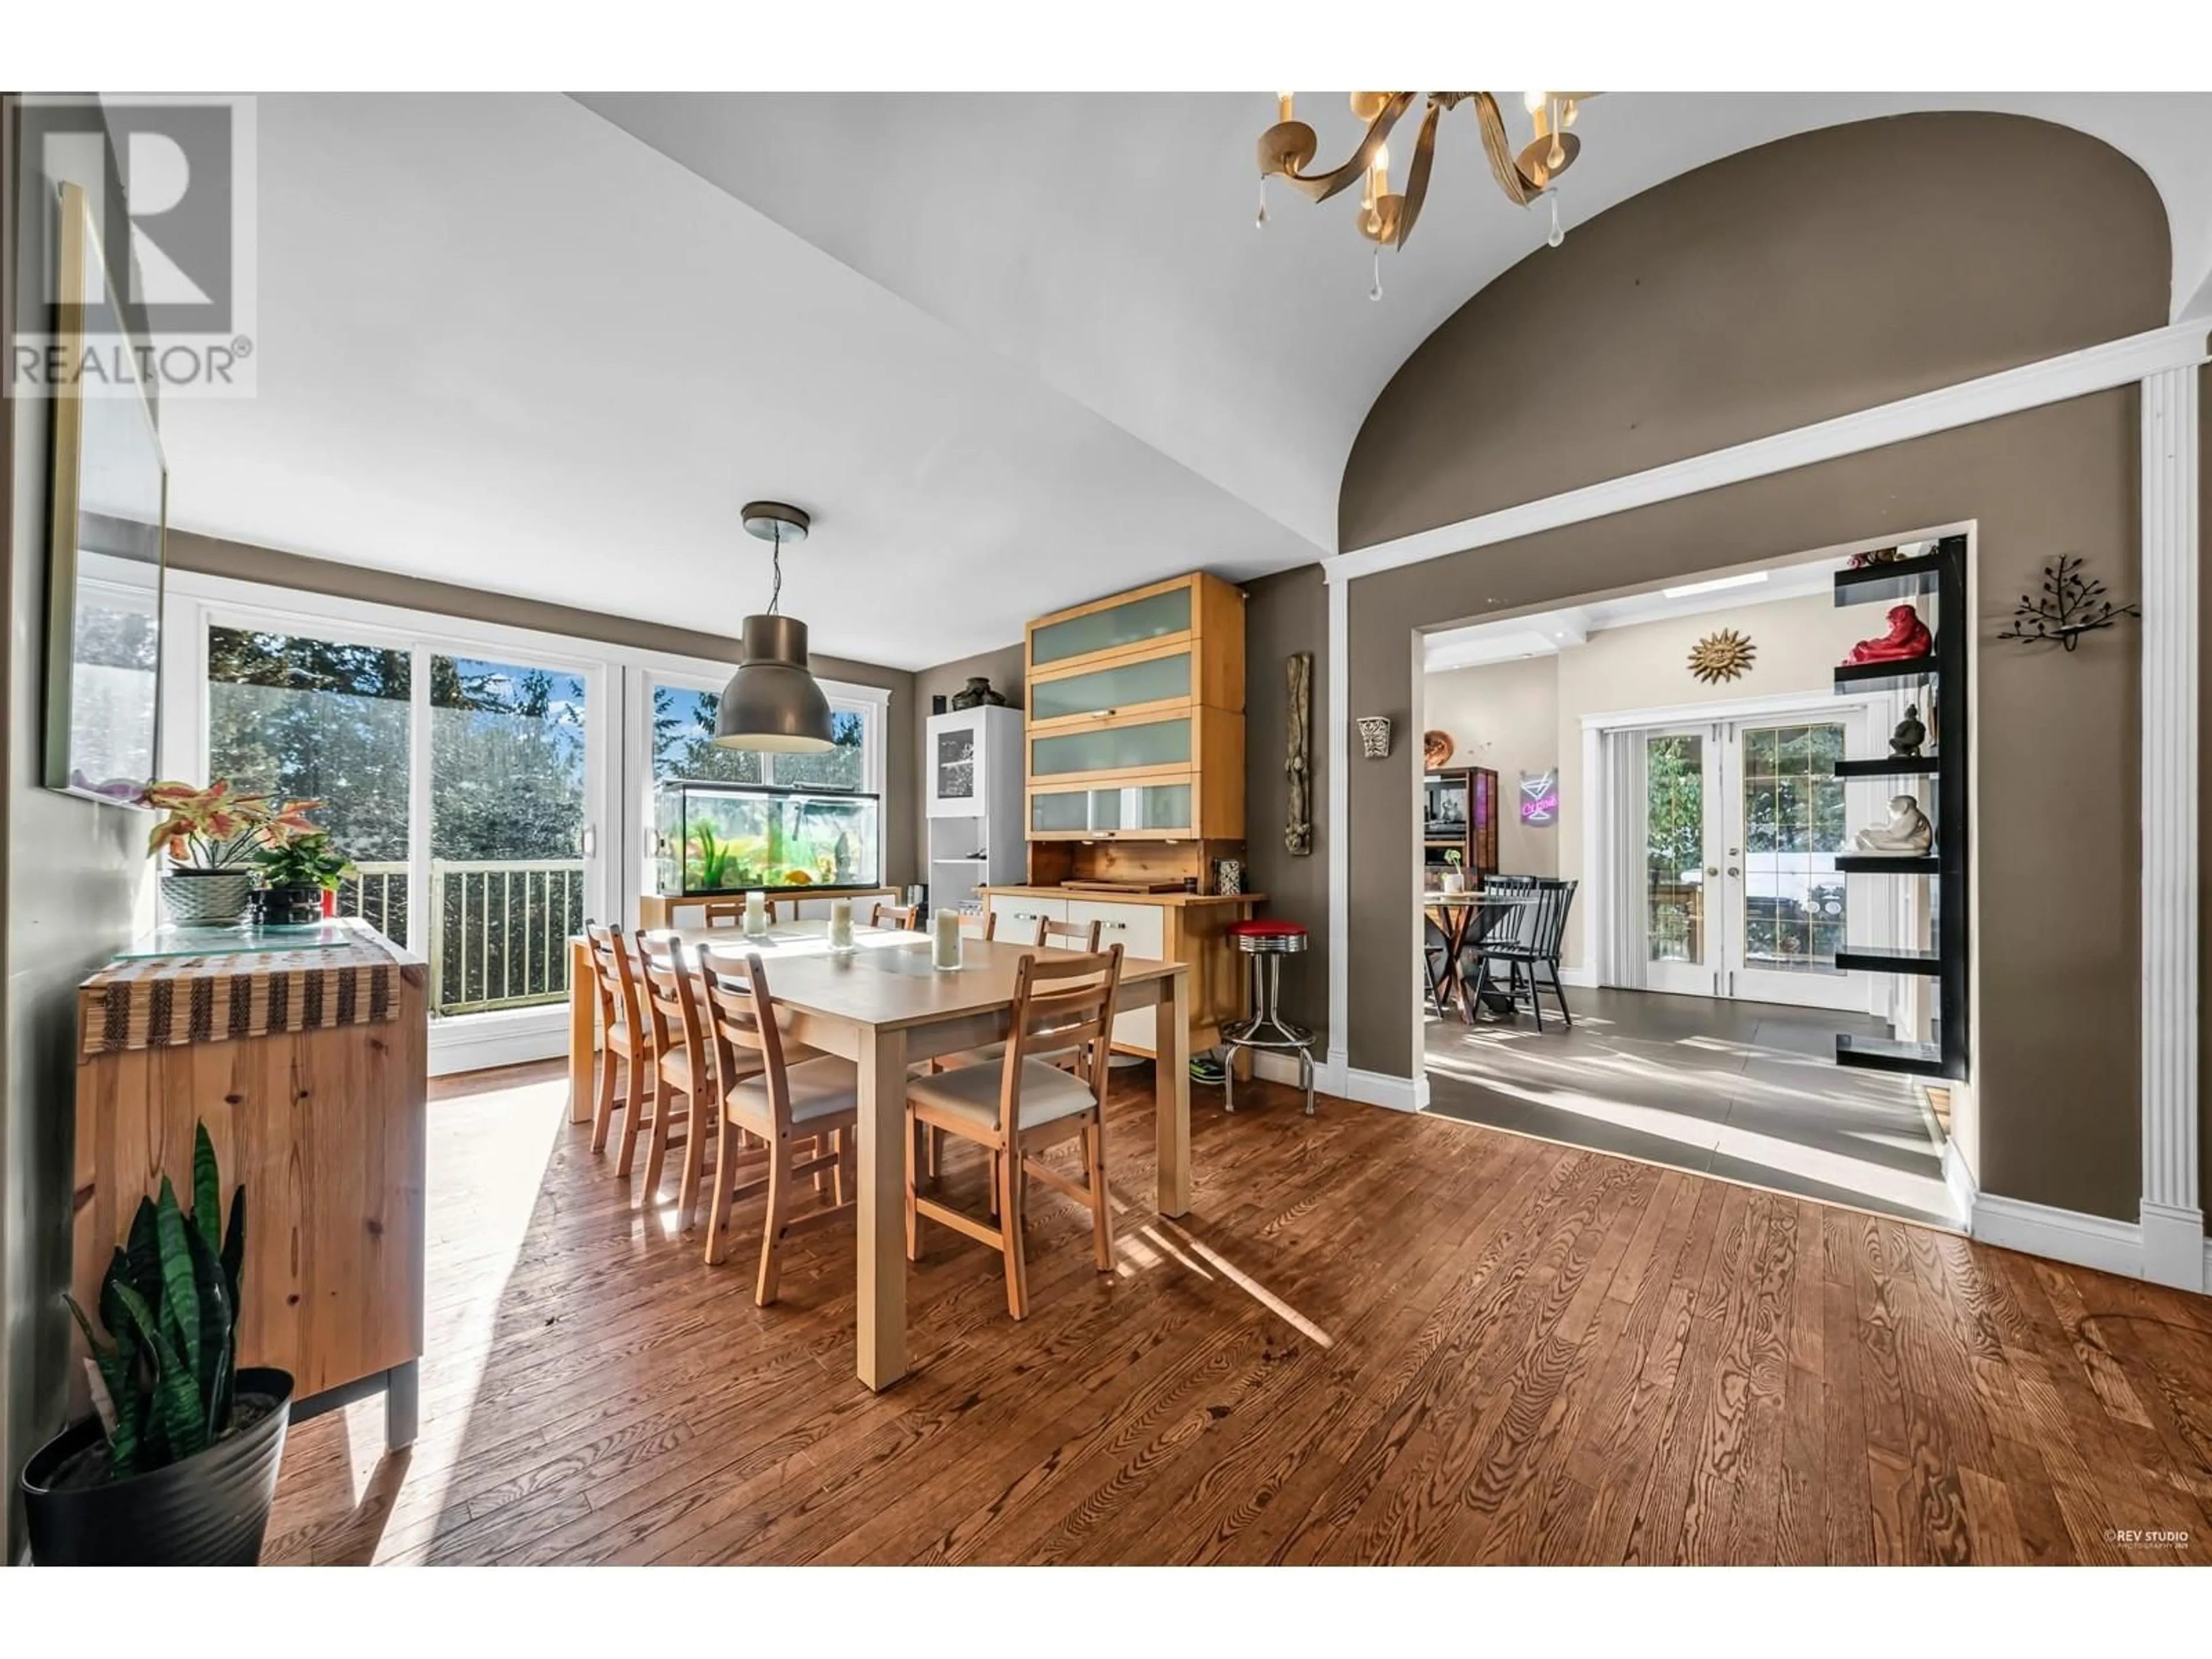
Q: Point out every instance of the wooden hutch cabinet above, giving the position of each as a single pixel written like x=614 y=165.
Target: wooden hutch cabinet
x=1133 y=768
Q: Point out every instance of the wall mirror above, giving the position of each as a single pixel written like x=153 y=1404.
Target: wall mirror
x=110 y=506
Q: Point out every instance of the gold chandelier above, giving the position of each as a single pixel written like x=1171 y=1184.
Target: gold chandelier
x=1386 y=217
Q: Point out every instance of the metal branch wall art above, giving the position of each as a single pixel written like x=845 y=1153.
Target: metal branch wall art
x=1724 y=655
x=2071 y=605
x=1297 y=813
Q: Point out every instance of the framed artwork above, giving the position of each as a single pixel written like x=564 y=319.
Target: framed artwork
x=104 y=560
x=1540 y=799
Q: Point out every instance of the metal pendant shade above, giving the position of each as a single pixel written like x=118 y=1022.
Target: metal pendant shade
x=772 y=703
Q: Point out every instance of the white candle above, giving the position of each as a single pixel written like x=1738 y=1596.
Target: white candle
x=755 y=914
x=945 y=939
x=840 y=924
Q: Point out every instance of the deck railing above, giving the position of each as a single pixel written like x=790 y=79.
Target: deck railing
x=497 y=934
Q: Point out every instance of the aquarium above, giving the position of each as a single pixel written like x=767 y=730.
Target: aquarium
x=737 y=837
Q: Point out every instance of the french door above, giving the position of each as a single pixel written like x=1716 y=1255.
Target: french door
x=1739 y=895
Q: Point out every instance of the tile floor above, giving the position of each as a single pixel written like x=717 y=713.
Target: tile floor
x=1748 y=1091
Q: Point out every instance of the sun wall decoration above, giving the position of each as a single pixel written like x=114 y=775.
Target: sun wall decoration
x=1725 y=655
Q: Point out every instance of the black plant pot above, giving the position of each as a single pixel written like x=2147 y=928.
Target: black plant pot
x=211 y=1510
x=287 y=906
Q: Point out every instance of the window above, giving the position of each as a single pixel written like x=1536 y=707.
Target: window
x=684 y=745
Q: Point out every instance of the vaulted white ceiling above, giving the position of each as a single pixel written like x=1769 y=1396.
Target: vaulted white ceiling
x=1013 y=351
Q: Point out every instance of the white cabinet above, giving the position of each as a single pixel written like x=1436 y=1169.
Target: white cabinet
x=973 y=838
x=1141 y=930
x=1019 y=912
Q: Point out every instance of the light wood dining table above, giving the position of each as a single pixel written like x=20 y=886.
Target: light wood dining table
x=884 y=1007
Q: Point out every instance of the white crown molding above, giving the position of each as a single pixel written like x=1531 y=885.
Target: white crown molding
x=2098 y=368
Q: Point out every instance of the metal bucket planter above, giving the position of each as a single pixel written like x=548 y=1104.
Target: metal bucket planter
x=206 y=898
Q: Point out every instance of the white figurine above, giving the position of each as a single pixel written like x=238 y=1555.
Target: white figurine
x=1907 y=831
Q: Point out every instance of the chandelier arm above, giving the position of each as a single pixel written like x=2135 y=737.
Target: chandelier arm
x=1417 y=179
x=1321 y=186
x=1499 y=148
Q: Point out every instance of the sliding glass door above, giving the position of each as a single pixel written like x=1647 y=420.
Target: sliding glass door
x=466 y=777
x=308 y=717
x=511 y=833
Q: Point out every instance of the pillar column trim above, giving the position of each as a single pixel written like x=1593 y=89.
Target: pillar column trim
x=2172 y=1215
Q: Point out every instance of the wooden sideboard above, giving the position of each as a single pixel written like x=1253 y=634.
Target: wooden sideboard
x=310 y=1068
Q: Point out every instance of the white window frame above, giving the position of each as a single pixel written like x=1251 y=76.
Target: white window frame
x=617 y=733
x=648 y=669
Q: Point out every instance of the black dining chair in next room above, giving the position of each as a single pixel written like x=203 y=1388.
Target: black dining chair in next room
x=1529 y=936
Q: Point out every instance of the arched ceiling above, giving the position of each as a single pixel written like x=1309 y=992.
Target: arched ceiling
x=1016 y=349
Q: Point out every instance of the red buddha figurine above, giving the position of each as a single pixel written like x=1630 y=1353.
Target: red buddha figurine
x=1908 y=637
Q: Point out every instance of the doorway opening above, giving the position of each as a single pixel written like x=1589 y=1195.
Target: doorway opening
x=1678 y=921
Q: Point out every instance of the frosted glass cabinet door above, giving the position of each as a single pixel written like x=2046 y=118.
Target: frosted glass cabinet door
x=1103 y=691
x=1114 y=749
x=1150 y=810
x=1133 y=621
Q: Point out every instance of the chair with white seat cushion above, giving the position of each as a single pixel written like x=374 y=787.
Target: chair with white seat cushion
x=782 y=1103
x=1020 y=1105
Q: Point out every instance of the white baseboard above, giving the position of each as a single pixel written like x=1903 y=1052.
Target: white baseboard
x=1964 y=1191
x=477 y=1043
x=1582 y=978
x=2174 y=1247
x=1399 y=1093
x=2088 y=1241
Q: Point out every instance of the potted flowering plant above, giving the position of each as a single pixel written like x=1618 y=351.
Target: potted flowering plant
x=298 y=866
x=210 y=836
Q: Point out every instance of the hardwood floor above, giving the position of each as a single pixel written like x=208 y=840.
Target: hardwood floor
x=1377 y=1338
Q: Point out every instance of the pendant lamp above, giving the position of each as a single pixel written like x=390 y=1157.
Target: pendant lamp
x=772 y=702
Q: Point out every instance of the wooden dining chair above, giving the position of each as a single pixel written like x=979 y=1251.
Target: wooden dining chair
x=1021 y=1105
x=809 y=1105
x=722 y=913
x=624 y=1040
x=680 y=1067
x=1070 y=935
x=901 y=916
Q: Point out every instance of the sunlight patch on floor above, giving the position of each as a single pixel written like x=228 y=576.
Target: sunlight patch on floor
x=1251 y=1286
x=487 y=1155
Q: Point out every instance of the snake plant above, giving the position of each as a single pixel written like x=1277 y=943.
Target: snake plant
x=168 y=1374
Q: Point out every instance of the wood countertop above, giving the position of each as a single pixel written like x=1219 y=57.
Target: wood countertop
x=1097 y=896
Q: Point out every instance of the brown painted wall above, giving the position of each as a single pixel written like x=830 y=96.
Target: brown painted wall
x=1829 y=272
x=1004 y=668
x=2056 y=810
x=245 y=562
x=1284 y=613
x=72 y=871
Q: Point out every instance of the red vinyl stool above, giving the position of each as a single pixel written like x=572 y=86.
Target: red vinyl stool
x=1267 y=942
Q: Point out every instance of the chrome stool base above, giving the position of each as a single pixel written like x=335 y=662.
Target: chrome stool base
x=1267 y=1031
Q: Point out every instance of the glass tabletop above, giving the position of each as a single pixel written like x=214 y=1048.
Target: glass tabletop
x=252 y=939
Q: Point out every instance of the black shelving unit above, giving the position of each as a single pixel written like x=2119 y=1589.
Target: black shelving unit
x=1942 y=576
